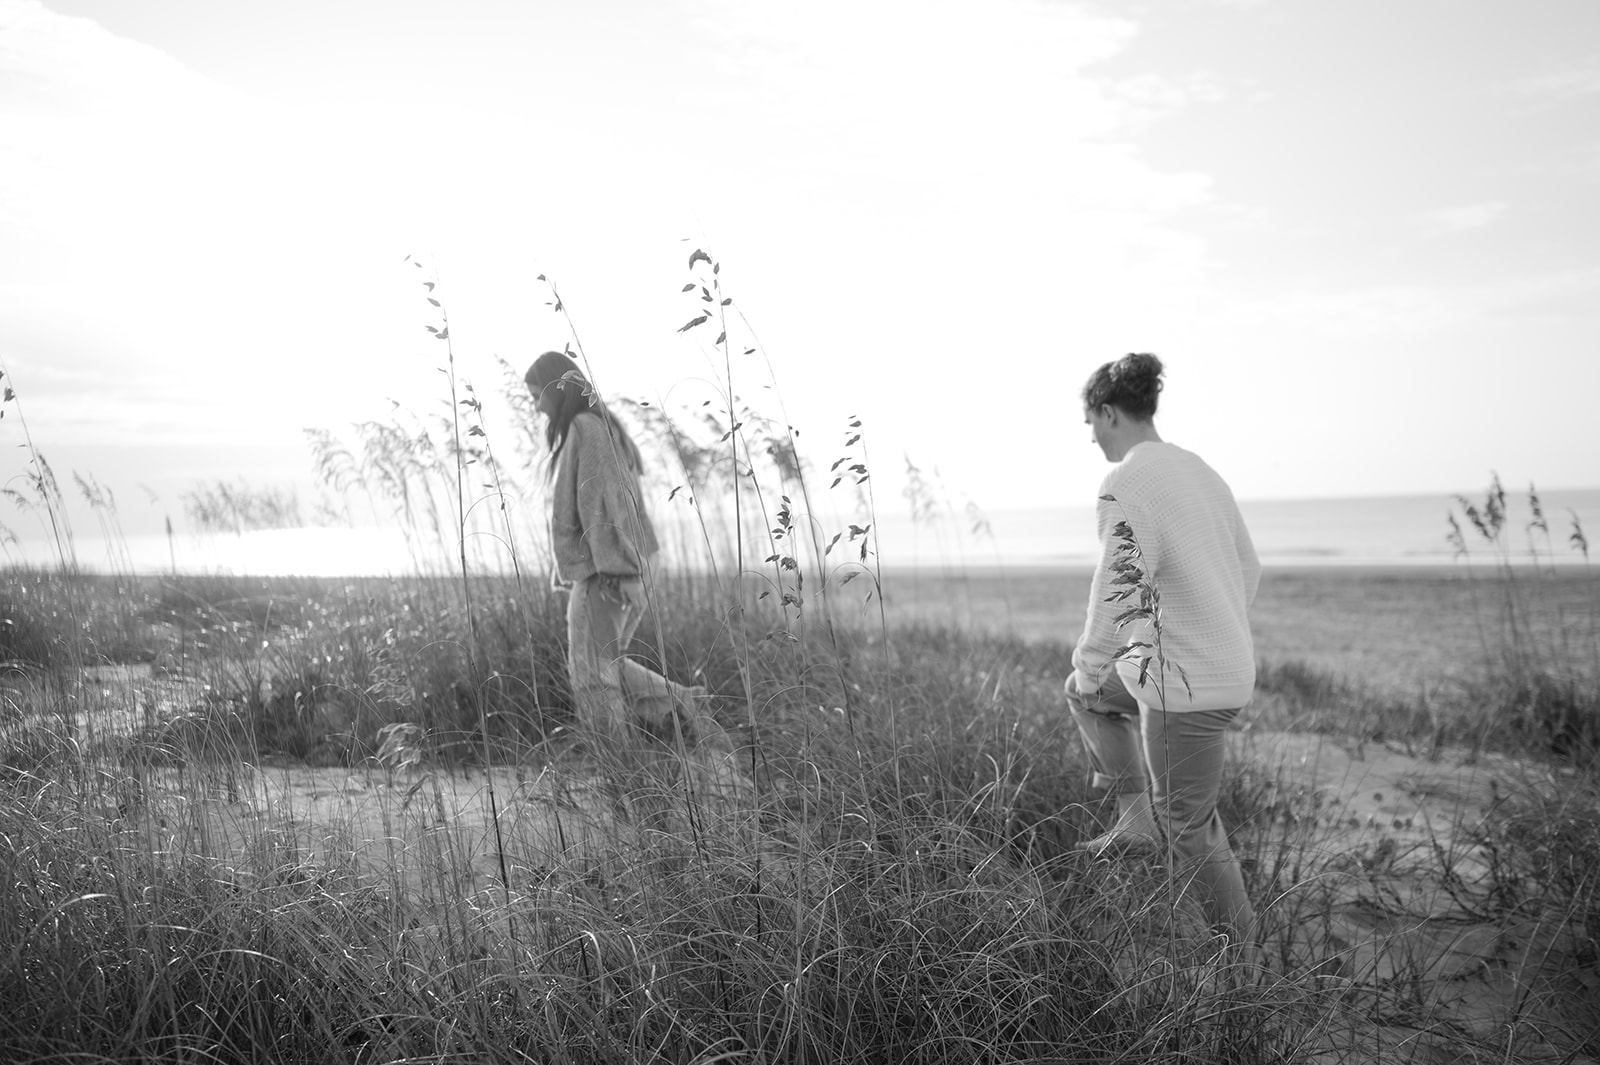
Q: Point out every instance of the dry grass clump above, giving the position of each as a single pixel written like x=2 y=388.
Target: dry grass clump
x=120 y=952
x=1531 y=683
x=1546 y=690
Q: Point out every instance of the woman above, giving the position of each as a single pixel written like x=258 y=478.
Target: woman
x=603 y=542
x=1158 y=745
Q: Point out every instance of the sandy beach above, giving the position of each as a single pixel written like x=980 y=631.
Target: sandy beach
x=1400 y=629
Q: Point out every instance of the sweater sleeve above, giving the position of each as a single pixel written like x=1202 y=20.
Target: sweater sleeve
x=610 y=512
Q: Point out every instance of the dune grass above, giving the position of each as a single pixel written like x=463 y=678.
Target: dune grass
x=900 y=886
x=898 y=890
x=886 y=898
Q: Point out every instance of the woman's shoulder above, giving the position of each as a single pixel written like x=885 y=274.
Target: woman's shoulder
x=1184 y=462
x=1158 y=470
x=596 y=436
x=1139 y=459
x=588 y=416
x=1146 y=466
x=588 y=425
x=1157 y=456
x=583 y=436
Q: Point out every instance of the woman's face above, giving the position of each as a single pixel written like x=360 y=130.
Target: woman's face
x=548 y=399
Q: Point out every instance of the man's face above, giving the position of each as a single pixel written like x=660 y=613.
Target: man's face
x=1100 y=420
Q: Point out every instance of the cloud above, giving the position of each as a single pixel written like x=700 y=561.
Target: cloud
x=1159 y=95
x=169 y=237
x=942 y=101
x=968 y=176
x=1464 y=218
x=906 y=179
x=1583 y=159
x=100 y=129
x=1556 y=88
x=1404 y=313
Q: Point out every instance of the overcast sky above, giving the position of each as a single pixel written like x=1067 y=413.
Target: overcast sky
x=1362 y=234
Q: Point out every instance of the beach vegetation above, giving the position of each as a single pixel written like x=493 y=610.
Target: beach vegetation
x=1539 y=679
x=282 y=819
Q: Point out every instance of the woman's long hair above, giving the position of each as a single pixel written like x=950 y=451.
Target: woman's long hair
x=577 y=396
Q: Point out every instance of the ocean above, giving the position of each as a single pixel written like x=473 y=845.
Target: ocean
x=1379 y=530
x=1408 y=530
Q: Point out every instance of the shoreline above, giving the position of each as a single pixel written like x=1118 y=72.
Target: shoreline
x=1468 y=567
x=1474 y=567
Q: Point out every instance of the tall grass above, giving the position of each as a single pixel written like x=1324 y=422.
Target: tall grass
x=1543 y=681
x=342 y=820
x=928 y=917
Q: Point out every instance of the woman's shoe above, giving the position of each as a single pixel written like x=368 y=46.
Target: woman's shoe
x=1119 y=843
x=1132 y=834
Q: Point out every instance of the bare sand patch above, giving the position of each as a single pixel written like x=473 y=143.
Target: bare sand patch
x=414 y=831
x=1405 y=907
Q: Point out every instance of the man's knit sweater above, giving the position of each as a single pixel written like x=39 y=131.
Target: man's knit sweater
x=598 y=523
x=1197 y=552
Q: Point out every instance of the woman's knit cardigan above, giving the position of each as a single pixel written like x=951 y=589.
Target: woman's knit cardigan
x=598 y=522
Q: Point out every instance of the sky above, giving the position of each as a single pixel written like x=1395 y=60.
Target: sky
x=1364 y=236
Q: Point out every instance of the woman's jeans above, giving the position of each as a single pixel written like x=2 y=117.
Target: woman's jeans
x=613 y=692
x=1178 y=757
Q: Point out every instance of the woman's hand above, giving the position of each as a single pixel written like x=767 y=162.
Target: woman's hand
x=1080 y=687
x=630 y=593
